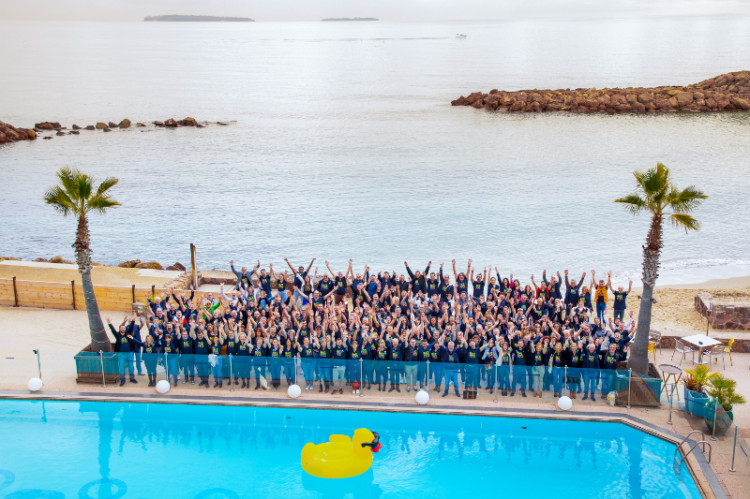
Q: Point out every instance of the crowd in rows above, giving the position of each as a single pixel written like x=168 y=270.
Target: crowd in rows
x=386 y=331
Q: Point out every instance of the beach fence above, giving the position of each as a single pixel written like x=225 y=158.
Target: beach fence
x=69 y=296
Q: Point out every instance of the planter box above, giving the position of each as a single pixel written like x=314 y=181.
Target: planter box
x=89 y=367
x=695 y=402
x=724 y=418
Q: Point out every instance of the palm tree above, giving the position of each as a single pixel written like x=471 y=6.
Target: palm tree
x=78 y=195
x=656 y=195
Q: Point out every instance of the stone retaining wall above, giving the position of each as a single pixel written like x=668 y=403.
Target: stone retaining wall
x=724 y=315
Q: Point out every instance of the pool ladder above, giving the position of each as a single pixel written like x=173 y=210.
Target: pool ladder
x=695 y=444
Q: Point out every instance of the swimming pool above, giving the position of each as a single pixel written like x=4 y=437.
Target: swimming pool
x=59 y=449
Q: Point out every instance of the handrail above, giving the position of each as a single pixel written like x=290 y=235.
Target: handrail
x=687 y=437
x=710 y=450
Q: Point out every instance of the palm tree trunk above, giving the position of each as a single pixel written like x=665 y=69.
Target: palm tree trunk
x=638 y=360
x=99 y=339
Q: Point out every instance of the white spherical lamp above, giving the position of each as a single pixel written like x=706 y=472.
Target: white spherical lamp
x=294 y=391
x=163 y=386
x=422 y=397
x=34 y=384
x=564 y=403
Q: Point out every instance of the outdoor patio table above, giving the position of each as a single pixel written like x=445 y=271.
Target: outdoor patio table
x=670 y=371
x=701 y=341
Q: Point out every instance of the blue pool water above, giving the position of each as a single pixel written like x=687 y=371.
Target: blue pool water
x=100 y=450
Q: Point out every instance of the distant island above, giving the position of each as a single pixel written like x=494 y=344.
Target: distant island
x=351 y=19
x=178 y=18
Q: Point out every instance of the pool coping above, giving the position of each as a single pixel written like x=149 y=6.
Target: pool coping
x=697 y=464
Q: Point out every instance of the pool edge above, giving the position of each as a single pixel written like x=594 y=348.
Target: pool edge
x=700 y=469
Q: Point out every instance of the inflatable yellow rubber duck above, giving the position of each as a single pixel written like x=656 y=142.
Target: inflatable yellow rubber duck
x=341 y=457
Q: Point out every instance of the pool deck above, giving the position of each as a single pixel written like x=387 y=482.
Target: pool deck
x=18 y=364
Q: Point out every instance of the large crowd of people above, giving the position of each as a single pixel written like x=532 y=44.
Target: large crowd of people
x=450 y=329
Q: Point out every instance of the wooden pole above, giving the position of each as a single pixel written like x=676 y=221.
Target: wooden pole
x=15 y=292
x=192 y=263
x=73 y=292
x=132 y=292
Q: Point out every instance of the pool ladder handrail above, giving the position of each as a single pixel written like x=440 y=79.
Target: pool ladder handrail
x=692 y=448
x=687 y=437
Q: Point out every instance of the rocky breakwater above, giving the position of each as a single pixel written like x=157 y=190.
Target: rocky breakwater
x=49 y=129
x=9 y=133
x=724 y=93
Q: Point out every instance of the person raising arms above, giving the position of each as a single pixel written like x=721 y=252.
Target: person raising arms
x=340 y=282
x=620 y=299
x=600 y=293
x=299 y=277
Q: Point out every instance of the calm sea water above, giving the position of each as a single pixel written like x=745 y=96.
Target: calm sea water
x=343 y=143
x=162 y=450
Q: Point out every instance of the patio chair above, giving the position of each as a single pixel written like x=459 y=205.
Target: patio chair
x=681 y=348
x=652 y=349
x=655 y=336
x=715 y=352
x=728 y=349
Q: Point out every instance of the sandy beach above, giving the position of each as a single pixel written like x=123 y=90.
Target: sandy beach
x=674 y=312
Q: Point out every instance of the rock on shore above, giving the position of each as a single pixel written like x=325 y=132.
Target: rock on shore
x=723 y=93
x=9 y=133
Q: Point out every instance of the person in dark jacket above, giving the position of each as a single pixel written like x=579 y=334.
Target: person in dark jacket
x=170 y=349
x=244 y=278
x=557 y=363
x=573 y=362
x=411 y=358
x=418 y=282
x=200 y=347
x=590 y=367
x=518 y=358
x=151 y=353
x=187 y=357
x=243 y=361
x=124 y=346
x=609 y=359
x=449 y=357
x=396 y=357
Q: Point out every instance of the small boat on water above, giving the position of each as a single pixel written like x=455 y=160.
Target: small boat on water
x=460 y=35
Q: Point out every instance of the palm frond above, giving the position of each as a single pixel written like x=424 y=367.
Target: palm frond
x=686 y=221
x=686 y=200
x=634 y=203
x=68 y=180
x=101 y=203
x=84 y=186
x=107 y=184
x=59 y=200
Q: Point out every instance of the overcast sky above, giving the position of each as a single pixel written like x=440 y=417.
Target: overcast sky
x=386 y=10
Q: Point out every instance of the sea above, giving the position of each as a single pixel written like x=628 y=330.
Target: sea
x=340 y=143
